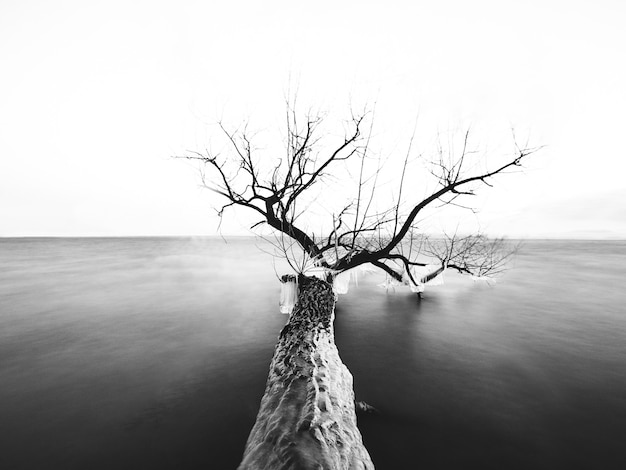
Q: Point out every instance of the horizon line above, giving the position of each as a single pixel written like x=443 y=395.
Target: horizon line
x=535 y=238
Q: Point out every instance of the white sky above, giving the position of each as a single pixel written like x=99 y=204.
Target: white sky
x=96 y=96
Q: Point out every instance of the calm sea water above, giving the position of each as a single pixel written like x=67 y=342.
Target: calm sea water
x=153 y=353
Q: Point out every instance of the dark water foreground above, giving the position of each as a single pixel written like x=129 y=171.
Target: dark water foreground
x=153 y=353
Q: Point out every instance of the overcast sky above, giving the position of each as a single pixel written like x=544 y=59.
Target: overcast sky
x=96 y=96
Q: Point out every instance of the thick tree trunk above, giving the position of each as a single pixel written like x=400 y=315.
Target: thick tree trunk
x=307 y=418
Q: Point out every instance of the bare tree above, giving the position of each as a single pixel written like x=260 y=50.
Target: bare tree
x=307 y=414
x=361 y=231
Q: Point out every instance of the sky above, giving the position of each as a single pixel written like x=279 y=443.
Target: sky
x=96 y=98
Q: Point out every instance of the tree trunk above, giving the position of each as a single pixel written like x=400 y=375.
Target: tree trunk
x=307 y=418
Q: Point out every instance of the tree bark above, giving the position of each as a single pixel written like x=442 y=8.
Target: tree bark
x=307 y=417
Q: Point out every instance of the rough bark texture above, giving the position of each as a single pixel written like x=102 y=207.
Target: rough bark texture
x=307 y=418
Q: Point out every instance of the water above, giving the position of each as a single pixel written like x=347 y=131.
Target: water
x=153 y=353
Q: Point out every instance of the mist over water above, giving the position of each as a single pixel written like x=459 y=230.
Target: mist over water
x=153 y=352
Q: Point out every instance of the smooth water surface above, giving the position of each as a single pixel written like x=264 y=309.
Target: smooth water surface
x=153 y=353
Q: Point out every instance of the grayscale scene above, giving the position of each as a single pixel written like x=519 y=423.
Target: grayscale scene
x=335 y=235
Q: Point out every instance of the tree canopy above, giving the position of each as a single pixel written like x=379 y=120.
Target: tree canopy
x=361 y=225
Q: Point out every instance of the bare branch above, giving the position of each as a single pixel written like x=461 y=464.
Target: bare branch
x=280 y=193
